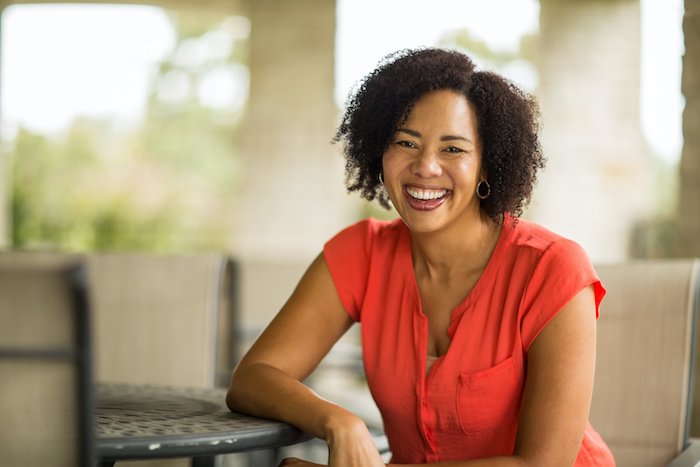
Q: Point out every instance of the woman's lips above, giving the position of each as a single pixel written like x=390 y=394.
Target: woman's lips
x=424 y=199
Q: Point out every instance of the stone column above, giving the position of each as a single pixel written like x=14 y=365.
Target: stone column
x=688 y=241
x=4 y=189
x=598 y=181
x=293 y=196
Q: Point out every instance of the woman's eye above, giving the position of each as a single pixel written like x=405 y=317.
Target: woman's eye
x=454 y=150
x=406 y=144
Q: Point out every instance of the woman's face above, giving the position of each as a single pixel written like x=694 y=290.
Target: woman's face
x=433 y=164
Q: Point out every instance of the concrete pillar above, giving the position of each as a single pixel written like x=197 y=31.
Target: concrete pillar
x=293 y=197
x=598 y=182
x=688 y=241
x=4 y=190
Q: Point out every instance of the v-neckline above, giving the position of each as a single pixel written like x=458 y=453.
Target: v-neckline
x=473 y=295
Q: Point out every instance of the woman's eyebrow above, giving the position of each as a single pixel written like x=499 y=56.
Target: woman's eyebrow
x=455 y=137
x=442 y=138
x=409 y=131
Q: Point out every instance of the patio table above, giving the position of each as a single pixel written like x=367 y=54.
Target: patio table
x=146 y=422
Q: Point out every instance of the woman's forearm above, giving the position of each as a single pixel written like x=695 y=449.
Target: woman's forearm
x=265 y=391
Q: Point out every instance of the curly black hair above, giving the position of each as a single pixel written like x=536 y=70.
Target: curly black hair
x=507 y=124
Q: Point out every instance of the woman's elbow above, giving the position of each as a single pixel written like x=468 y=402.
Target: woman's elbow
x=236 y=393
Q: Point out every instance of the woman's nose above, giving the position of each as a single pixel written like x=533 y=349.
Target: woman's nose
x=426 y=164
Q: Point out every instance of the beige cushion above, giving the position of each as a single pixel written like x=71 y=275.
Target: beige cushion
x=641 y=392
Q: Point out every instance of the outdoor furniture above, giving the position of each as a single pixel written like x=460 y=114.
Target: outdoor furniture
x=46 y=402
x=147 y=422
x=164 y=319
x=644 y=367
x=158 y=319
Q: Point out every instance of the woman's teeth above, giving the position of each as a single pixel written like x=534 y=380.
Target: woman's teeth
x=425 y=194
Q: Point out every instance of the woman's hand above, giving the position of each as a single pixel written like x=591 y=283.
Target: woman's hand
x=296 y=462
x=350 y=443
x=351 y=447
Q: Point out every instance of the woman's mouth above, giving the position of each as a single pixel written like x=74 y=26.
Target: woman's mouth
x=424 y=199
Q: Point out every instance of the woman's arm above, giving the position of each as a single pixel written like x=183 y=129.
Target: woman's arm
x=559 y=386
x=267 y=381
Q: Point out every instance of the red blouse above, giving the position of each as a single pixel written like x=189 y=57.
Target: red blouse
x=466 y=406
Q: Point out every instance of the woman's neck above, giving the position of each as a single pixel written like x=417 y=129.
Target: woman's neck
x=443 y=255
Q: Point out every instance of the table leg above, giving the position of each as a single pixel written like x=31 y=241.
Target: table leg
x=204 y=461
x=266 y=458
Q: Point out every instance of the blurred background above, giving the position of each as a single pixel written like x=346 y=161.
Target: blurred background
x=185 y=126
x=189 y=126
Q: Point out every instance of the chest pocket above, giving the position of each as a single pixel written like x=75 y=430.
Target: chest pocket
x=488 y=399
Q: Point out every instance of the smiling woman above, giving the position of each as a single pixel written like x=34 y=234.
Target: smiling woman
x=506 y=116
x=478 y=328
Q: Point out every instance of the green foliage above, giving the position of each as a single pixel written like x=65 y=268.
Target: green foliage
x=166 y=185
x=66 y=196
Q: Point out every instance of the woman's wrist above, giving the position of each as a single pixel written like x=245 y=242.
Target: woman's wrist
x=340 y=423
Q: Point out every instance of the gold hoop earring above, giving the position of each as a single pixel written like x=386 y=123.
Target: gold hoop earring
x=483 y=189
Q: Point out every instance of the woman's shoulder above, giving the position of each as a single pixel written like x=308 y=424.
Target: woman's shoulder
x=533 y=240
x=530 y=235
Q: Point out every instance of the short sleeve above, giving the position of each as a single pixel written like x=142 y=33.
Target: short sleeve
x=347 y=255
x=563 y=270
